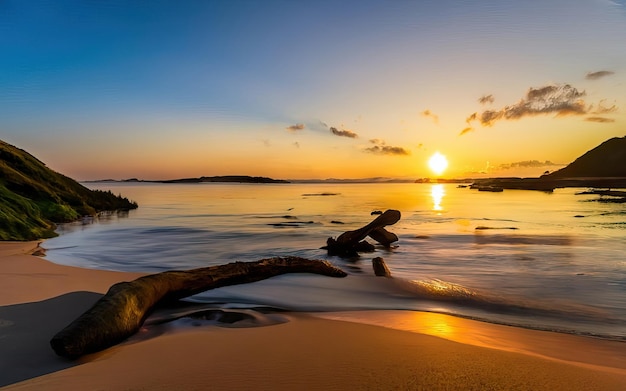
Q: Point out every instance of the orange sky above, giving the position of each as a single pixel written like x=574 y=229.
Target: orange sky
x=352 y=90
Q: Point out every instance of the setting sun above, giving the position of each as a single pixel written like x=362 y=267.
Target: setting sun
x=438 y=163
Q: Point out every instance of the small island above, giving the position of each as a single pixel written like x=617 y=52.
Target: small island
x=203 y=179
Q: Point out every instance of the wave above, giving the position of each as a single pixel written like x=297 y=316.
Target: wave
x=548 y=240
x=365 y=292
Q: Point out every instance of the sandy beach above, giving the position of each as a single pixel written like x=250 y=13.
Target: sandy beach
x=336 y=351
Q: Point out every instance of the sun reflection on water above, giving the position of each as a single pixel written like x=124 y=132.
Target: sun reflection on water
x=437 y=192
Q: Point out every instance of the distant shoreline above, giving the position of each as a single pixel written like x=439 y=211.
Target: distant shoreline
x=221 y=179
x=516 y=183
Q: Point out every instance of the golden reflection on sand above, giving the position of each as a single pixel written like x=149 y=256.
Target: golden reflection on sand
x=583 y=351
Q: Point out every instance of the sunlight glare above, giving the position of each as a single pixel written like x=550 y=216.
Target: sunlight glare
x=437 y=192
x=438 y=163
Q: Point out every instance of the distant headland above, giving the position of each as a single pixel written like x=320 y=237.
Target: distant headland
x=602 y=167
x=203 y=179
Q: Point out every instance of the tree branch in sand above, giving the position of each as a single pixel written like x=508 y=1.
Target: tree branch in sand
x=349 y=243
x=121 y=312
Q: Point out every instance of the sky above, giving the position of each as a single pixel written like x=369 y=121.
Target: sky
x=310 y=89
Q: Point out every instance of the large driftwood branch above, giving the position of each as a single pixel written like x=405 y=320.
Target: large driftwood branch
x=349 y=243
x=121 y=312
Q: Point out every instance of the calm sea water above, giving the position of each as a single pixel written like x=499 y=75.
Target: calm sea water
x=552 y=261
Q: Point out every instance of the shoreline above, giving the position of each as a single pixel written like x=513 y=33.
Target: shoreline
x=382 y=350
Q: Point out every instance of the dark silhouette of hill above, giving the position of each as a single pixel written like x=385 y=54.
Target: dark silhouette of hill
x=204 y=179
x=33 y=197
x=606 y=160
x=602 y=167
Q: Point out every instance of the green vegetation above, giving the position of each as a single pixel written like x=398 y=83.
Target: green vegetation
x=33 y=197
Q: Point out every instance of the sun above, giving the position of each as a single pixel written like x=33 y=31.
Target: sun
x=438 y=163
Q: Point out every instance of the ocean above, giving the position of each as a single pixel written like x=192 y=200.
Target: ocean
x=548 y=261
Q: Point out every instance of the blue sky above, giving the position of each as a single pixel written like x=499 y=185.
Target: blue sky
x=166 y=89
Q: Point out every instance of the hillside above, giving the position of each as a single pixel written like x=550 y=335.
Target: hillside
x=33 y=197
x=606 y=160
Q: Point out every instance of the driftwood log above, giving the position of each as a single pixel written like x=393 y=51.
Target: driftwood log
x=380 y=267
x=350 y=243
x=123 y=309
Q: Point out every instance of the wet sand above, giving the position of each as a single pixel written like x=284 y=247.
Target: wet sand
x=336 y=351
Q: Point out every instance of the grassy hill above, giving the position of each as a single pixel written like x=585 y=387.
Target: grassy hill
x=33 y=197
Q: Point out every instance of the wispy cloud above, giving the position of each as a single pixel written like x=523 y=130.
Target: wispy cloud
x=600 y=119
x=529 y=164
x=381 y=148
x=468 y=121
x=429 y=114
x=343 y=132
x=598 y=75
x=466 y=130
x=602 y=109
x=295 y=128
x=485 y=99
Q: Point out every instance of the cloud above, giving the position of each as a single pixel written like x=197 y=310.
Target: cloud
x=381 y=148
x=295 y=128
x=483 y=100
x=468 y=120
x=559 y=99
x=528 y=164
x=599 y=119
x=343 y=132
x=466 y=130
x=430 y=114
x=602 y=109
x=598 y=75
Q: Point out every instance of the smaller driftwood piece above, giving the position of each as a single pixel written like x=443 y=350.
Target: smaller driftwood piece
x=380 y=267
x=350 y=243
x=123 y=309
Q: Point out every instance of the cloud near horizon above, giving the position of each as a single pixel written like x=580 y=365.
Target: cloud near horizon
x=343 y=132
x=597 y=75
x=529 y=164
x=381 y=148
